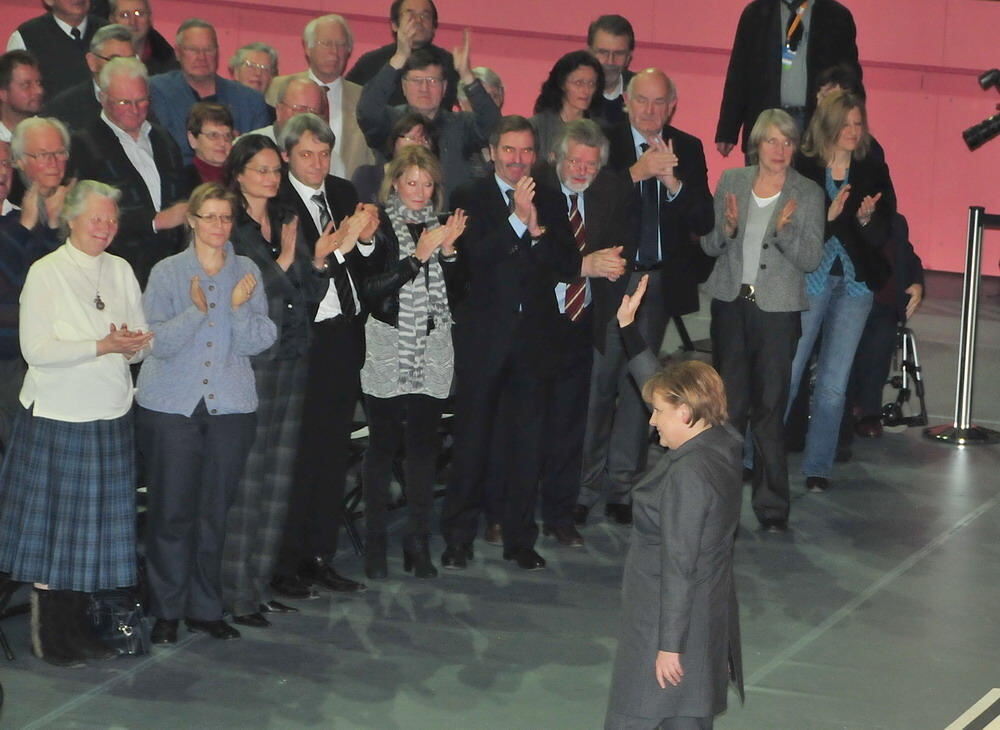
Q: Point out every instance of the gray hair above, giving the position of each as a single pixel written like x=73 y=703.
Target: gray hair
x=131 y=68
x=777 y=118
x=487 y=76
x=309 y=32
x=241 y=54
x=671 y=87
x=26 y=125
x=292 y=131
x=582 y=131
x=76 y=199
x=195 y=23
x=113 y=32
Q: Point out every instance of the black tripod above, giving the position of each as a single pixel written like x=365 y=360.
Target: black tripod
x=906 y=363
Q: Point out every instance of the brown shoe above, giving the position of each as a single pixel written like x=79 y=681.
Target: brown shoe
x=869 y=427
x=565 y=535
x=493 y=534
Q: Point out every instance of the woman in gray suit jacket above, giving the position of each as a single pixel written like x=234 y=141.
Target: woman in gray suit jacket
x=680 y=630
x=768 y=234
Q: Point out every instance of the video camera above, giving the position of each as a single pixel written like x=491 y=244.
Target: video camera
x=979 y=134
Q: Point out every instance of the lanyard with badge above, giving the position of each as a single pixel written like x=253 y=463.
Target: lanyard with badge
x=787 y=52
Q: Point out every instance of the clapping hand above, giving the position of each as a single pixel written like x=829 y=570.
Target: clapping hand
x=242 y=291
x=289 y=235
x=785 y=216
x=867 y=207
x=630 y=303
x=455 y=225
x=198 y=295
x=732 y=215
x=605 y=263
x=837 y=205
x=123 y=341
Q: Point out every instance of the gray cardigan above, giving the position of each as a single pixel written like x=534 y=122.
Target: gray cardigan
x=785 y=257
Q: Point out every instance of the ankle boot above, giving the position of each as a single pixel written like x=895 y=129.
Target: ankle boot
x=376 y=567
x=49 y=626
x=417 y=557
x=80 y=630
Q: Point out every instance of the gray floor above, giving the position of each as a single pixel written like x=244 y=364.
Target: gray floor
x=878 y=610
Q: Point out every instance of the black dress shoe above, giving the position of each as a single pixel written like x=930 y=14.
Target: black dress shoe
x=580 y=512
x=564 y=534
x=620 y=514
x=164 y=631
x=276 y=607
x=817 y=484
x=320 y=573
x=293 y=587
x=217 y=629
x=775 y=526
x=526 y=558
x=456 y=557
x=254 y=620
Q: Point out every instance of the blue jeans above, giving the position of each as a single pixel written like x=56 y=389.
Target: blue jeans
x=841 y=319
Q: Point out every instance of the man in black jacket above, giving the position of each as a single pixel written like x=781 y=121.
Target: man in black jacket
x=780 y=47
x=612 y=41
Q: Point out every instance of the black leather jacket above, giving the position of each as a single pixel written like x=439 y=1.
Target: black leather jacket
x=385 y=273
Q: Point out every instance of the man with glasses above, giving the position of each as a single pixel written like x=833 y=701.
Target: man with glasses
x=122 y=148
x=21 y=90
x=174 y=93
x=612 y=41
x=254 y=65
x=294 y=94
x=59 y=39
x=152 y=48
x=458 y=134
x=413 y=23
x=79 y=106
x=327 y=42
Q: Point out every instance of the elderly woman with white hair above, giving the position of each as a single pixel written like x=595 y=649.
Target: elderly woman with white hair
x=67 y=499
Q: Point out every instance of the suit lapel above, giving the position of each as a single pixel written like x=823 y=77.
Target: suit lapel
x=121 y=162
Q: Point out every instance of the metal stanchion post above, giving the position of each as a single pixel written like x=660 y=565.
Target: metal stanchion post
x=962 y=432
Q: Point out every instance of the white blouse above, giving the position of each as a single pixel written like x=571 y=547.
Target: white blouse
x=60 y=325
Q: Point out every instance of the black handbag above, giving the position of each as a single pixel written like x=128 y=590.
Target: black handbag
x=119 y=621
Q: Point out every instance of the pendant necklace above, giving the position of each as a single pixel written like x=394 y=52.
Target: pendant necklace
x=98 y=302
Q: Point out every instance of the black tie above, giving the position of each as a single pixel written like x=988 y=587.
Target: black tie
x=796 y=37
x=338 y=272
x=324 y=213
x=649 y=224
x=510 y=201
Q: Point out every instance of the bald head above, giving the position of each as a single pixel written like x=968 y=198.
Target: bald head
x=650 y=100
x=299 y=96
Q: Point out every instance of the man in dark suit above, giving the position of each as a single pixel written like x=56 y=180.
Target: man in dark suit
x=59 y=39
x=612 y=41
x=517 y=244
x=21 y=91
x=413 y=23
x=79 y=105
x=122 y=148
x=325 y=205
x=598 y=204
x=670 y=189
x=779 y=49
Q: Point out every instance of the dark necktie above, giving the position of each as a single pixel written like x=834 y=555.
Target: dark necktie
x=576 y=291
x=77 y=36
x=510 y=201
x=324 y=212
x=795 y=37
x=338 y=271
x=649 y=223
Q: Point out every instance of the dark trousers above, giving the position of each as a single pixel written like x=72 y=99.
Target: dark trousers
x=566 y=422
x=499 y=407
x=410 y=421
x=333 y=386
x=873 y=360
x=753 y=353
x=193 y=468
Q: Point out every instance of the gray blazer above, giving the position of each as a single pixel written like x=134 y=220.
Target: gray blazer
x=785 y=257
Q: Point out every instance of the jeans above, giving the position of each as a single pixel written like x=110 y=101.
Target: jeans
x=841 y=319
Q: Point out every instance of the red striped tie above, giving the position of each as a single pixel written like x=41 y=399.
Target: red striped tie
x=576 y=292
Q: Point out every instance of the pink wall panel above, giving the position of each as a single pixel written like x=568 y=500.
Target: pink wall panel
x=920 y=58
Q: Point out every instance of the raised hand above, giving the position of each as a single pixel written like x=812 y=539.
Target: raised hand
x=461 y=55
x=669 y=161
x=242 y=291
x=785 y=216
x=524 y=196
x=289 y=235
x=54 y=203
x=837 y=204
x=867 y=207
x=372 y=212
x=456 y=227
x=630 y=303
x=732 y=215
x=198 y=295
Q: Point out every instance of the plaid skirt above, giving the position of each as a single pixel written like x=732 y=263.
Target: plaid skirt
x=67 y=503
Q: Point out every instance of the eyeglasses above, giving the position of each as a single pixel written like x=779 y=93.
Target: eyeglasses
x=300 y=108
x=265 y=170
x=214 y=218
x=606 y=54
x=779 y=142
x=429 y=81
x=53 y=156
x=126 y=14
x=110 y=58
x=333 y=45
x=420 y=15
x=256 y=66
x=135 y=103
x=217 y=136
x=583 y=84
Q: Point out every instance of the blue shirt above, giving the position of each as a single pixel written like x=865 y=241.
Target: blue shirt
x=202 y=355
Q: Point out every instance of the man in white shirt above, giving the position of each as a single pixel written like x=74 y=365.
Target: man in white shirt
x=327 y=42
x=20 y=90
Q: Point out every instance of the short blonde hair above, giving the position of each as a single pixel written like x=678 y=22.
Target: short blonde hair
x=828 y=121
x=412 y=155
x=694 y=384
x=777 y=118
